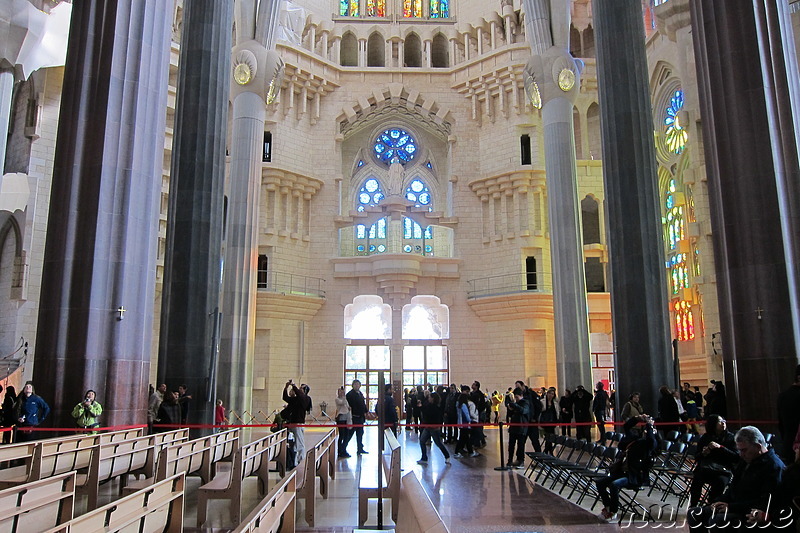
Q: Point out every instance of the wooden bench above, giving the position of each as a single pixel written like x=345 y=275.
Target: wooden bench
x=419 y=515
x=50 y=457
x=190 y=457
x=223 y=447
x=319 y=462
x=155 y=508
x=391 y=482
x=116 y=460
x=39 y=505
x=276 y=510
x=250 y=459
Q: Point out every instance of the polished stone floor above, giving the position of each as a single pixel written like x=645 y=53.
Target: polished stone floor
x=469 y=495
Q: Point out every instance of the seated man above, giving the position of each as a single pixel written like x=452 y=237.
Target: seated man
x=716 y=457
x=632 y=467
x=755 y=480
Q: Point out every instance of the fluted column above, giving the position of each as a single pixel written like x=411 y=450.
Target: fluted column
x=753 y=178
x=6 y=94
x=190 y=301
x=98 y=280
x=636 y=254
x=241 y=242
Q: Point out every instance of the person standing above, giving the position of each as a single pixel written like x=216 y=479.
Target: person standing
x=8 y=411
x=295 y=415
x=535 y=406
x=169 y=412
x=565 y=404
x=390 y=409
x=463 y=409
x=451 y=415
x=549 y=417
x=632 y=408
x=185 y=399
x=519 y=412
x=153 y=405
x=220 y=419
x=667 y=411
x=358 y=410
x=581 y=403
x=343 y=420
x=497 y=401
x=599 y=408
x=432 y=421
x=30 y=411
x=86 y=412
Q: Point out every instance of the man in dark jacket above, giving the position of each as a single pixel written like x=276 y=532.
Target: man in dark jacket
x=755 y=480
x=581 y=403
x=519 y=411
x=479 y=399
x=358 y=409
x=535 y=407
x=295 y=414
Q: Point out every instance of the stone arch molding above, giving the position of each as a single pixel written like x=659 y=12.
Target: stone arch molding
x=401 y=100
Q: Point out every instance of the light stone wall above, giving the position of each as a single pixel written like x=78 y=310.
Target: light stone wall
x=495 y=342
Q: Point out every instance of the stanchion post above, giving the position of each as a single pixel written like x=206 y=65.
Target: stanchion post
x=502 y=451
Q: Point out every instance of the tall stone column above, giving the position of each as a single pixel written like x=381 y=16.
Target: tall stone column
x=98 y=280
x=636 y=252
x=552 y=81
x=753 y=181
x=257 y=81
x=192 y=270
x=6 y=94
x=241 y=253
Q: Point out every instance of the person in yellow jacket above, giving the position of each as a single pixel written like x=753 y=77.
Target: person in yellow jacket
x=497 y=401
x=86 y=412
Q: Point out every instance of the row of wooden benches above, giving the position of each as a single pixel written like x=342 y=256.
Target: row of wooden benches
x=39 y=505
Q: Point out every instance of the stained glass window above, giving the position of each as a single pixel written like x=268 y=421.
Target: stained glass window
x=415 y=239
x=370 y=240
x=348 y=8
x=440 y=9
x=395 y=143
x=676 y=135
x=696 y=260
x=679 y=272
x=412 y=8
x=676 y=228
x=684 y=320
x=376 y=8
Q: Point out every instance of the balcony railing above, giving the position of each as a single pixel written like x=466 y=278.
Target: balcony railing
x=508 y=284
x=288 y=283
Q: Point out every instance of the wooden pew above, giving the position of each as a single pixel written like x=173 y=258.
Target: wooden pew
x=317 y=464
x=223 y=447
x=50 y=457
x=419 y=515
x=113 y=460
x=38 y=505
x=391 y=480
x=158 y=507
x=250 y=459
x=279 y=504
x=189 y=457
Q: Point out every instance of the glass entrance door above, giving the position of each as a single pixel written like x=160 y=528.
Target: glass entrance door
x=366 y=363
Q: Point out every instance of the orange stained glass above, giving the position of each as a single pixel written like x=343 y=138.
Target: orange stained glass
x=412 y=8
x=376 y=8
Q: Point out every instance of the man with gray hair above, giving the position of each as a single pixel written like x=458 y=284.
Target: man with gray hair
x=754 y=482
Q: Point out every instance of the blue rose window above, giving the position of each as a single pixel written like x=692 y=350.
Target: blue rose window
x=395 y=143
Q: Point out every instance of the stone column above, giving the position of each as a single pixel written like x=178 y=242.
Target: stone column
x=745 y=108
x=241 y=257
x=98 y=280
x=636 y=250
x=6 y=94
x=190 y=301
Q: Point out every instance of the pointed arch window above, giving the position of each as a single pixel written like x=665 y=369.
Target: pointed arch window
x=371 y=239
x=412 y=8
x=416 y=239
x=440 y=9
x=376 y=8
x=348 y=8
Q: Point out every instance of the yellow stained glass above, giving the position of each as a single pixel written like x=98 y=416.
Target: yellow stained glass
x=412 y=8
x=376 y=8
